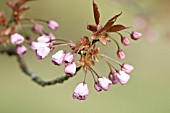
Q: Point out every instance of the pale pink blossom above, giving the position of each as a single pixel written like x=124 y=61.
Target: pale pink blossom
x=36 y=45
x=125 y=41
x=52 y=37
x=97 y=86
x=53 y=25
x=121 y=54
x=43 y=38
x=104 y=83
x=21 y=50
x=127 y=68
x=135 y=35
x=113 y=77
x=70 y=69
x=81 y=91
x=42 y=52
x=16 y=39
x=37 y=28
x=123 y=77
x=68 y=58
x=57 y=58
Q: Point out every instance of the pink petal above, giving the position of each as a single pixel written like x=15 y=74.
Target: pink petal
x=42 y=52
x=104 y=83
x=81 y=91
x=16 y=39
x=70 y=69
x=53 y=25
x=58 y=57
x=21 y=50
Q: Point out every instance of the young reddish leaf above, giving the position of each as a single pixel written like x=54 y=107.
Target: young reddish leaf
x=96 y=58
x=115 y=17
x=9 y=4
x=86 y=41
x=116 y=28
x=96 y=13
x=92 y=28
x=103 y=40
x=2 y=17
x=110 y=22
x=24 y=7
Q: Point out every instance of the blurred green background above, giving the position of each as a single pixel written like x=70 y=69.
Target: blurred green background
x=148 y=91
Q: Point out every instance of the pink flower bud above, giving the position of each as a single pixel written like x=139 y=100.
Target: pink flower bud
x=70 y=69
x=37 y=28
x=123 y=77
x=68 y=58
x=104 y=83
x=127 y=68
x=53 y=25
x=81 y=91
x=125 y=41
x=135 y=35
x=16 y=39
x=57 y=58
x=97 y=86
x=121 y=54
x=42 y=52
x=43 y=38
x=113 y=77
x=21 y=50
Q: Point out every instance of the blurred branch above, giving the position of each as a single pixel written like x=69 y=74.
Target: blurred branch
x=8 y=50
x=11 y=51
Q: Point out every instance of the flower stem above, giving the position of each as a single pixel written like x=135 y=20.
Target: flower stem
x=115 y=42
x=104 y=56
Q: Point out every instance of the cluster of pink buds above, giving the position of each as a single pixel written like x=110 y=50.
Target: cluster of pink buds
x=17 y=39
x=45 y=41
x=67 y=59
x=86 y=47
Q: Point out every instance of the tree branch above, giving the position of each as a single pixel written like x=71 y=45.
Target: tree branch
x=11 y=51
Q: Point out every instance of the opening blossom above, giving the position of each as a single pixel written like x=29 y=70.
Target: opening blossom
x=58 y=57
x=104 y=83
x=68 y=58
x=97 y=86
x=123 y=77
x=37 y=29
x=70 y=69
x=17 y=39
x=43 y=38
x=21 y=50
x=42 y=52
x=113 y=77
x=81 y=91
x=35 y=45
x=53 y=25
x=127 y=68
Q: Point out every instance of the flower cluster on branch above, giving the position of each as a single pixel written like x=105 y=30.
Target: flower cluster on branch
x=86 y=47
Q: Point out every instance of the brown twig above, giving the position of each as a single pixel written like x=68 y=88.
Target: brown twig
x=11 y=51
